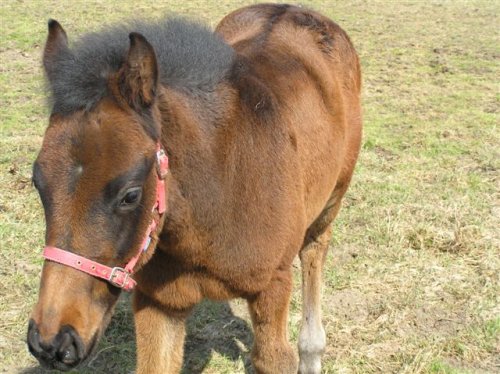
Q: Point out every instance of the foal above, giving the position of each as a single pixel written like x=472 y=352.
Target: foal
x=261 y=122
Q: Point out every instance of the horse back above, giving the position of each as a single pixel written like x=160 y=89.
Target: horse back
x=301 y=75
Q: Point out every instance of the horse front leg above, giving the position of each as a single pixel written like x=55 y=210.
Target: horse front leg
x=272 y=353
x=160 y=337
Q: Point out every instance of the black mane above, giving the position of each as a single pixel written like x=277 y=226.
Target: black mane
x=190 y=56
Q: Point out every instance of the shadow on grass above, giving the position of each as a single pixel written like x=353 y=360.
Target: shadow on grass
x=211 y=328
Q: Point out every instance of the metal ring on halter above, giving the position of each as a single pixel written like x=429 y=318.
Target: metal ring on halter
x=114 y=274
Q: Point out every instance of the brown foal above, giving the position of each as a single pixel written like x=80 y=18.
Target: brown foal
x=261 y=121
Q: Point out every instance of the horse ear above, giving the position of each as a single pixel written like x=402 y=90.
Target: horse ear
x=139 y=75
x=57 y=42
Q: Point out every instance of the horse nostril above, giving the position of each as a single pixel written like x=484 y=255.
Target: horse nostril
x=67 y=352
x=71 y=350
x=33 y=339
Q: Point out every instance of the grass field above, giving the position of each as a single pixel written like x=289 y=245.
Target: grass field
x=412 y=280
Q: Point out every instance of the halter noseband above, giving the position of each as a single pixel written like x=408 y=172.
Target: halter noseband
x=118 y=276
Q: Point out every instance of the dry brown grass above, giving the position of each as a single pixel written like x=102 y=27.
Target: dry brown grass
x=412 y=284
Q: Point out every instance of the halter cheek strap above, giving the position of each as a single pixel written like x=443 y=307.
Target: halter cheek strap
x=118 y=276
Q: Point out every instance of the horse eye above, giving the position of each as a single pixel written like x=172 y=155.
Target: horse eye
x=132 y=196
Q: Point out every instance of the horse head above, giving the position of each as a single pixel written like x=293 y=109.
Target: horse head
x=98 y=181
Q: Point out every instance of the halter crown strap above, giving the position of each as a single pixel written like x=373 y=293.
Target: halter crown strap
x=118 y=276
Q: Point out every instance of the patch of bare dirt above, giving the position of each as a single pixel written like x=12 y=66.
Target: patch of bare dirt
x=487 y=367
x=344 y=254
x=434 y=319
x=347 y=305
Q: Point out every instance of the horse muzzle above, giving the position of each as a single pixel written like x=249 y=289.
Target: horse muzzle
x=64 y=351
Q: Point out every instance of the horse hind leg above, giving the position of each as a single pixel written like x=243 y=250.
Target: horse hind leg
x=312 y=337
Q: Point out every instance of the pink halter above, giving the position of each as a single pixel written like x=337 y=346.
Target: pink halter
x=117 y=276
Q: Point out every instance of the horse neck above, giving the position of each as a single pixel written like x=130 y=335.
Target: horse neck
x=193 y=132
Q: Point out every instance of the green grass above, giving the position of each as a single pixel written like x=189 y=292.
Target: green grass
x=411 y=285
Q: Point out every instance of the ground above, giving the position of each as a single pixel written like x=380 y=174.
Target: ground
x=412 y=280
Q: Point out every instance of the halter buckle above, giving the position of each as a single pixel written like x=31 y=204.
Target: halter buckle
x=116 y=280
x=161 y=163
